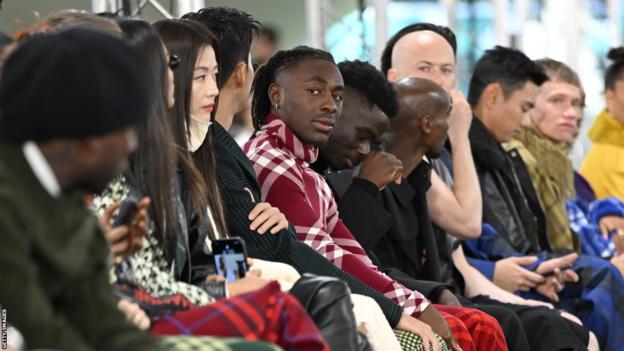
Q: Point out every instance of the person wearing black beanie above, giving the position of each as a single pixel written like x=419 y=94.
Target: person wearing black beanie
x=73 y=84
x=68 y=103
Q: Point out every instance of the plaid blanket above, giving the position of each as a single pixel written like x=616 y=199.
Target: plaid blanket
x=207 y=343
x=473 y=329
x=281 y=162
x=266 y=314
x=584 y=219
x=413 y=342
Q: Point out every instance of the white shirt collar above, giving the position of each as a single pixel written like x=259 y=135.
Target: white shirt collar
x=41 y=168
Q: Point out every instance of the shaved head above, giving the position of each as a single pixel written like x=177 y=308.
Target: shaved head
x=424 y=54
x=424 y=108
x=419 y=97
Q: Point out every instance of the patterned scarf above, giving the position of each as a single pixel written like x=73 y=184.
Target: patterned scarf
x=275 y=127
x=554 y=159
x=552 y=174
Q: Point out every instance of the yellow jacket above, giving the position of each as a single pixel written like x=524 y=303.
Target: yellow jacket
x=604 y=165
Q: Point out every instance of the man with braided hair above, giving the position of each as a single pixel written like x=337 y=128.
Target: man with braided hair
x=296 y=116
x=237 y=180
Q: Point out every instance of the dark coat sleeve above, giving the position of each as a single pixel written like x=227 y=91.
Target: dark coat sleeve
x=81 y=317
x=428 y=288
x=499 y=211
x=361 y=209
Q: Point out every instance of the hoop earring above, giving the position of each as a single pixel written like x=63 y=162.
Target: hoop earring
x=276 y=106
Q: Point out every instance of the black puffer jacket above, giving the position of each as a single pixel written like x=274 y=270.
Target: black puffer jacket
x=506 y=205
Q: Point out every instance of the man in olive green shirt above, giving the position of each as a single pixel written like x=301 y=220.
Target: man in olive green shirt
x=68 y=101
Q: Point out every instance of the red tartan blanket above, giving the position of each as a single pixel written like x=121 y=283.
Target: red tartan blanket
x=266 y=314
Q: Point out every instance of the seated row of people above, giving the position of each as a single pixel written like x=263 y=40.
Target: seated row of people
x=501 y=118
x=151 y=131
x=297 y=196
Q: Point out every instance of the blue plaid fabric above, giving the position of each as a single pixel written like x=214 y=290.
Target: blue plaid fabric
x=584 y=218
x=597 y=299
x=577 y=214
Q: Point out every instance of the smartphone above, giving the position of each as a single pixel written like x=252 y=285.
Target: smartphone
x=230 y=257
x=551 y=273
x=126 y=212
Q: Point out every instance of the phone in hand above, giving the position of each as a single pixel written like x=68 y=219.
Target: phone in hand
x=551 y=273
x=230 y=257
x=126 y=212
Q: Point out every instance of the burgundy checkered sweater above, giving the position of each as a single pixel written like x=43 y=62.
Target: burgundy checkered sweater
x=281 y=162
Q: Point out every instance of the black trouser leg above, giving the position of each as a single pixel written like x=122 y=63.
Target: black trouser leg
x=546 y=329
x=510 y=323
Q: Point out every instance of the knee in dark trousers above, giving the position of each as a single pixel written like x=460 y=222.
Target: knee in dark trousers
x=550 y=331
x=511 y=324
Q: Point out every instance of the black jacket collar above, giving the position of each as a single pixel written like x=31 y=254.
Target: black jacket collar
x=226 y=150
x=486 y=150
x=418 y=180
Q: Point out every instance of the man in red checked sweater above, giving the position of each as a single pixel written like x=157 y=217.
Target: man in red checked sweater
x=304 y=98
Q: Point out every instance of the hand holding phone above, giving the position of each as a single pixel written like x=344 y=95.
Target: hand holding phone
x=230 y=257
x=127 y=210
x=560 y=267
x=555 y=271
x=124 y=231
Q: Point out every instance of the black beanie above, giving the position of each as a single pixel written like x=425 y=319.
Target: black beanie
x=73 y=83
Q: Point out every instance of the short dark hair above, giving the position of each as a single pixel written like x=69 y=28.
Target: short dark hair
x=445 y=32
x=266 y=74
x=232 y=27
x=508 y=67
x=615 y=69
x=369 y=83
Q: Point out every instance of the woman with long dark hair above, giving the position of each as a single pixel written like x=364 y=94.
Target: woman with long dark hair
x=192 y=115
